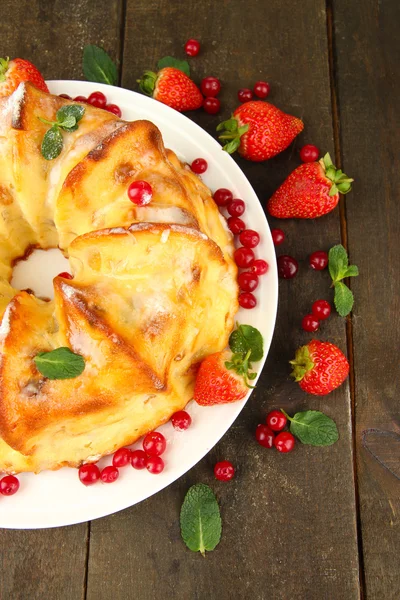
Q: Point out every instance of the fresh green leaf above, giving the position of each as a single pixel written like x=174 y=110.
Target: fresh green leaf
x=52 y=143
x=314 y=428
x=343 y=299
x=67 y=123
x=169 y=61
x=232 y=146
x=60 y=363
x=70 y=110
x=246 y=338
x=338 y=262
x=351 y=271
x=200 y=519
x=98 y=66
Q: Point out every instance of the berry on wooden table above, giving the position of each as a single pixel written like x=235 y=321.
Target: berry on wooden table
x=247 y=281
x=236 y=225
x=284 y=441
x=287 y=266
x=211 y=105
x=222 y=196
x=278 y=236
x=109 y=474
x=97 y=99
x=321 y=309
x=309 y=153
x=318 y=260
x=224 y=470
x=155 y=464
x=319 y=367
x=181 y=420
x=265 y=436
x=259 y=266
x=140 y=192
x=243 y=257
x=261 y=89
x=9 y=485
x=276 y=420
x=89 y=474
x=199 y=165
x=247 y=300
x=236 y=207
x=122 y=457
x=138 y=459
x=210 y=87
x=192 y=47
x=249 y=238
x=154 y=443
x=245 y=95
x=310 y=323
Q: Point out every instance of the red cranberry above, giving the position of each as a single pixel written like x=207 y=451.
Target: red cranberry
x=284 y=441
x=247 y=281
x=278 y=237
x=138 y=459
x=122 y=457
x=259 y=267
x=109 y=474
x=236 y=207
x=264 y=436
x=210 y=87
x=249 y=238
x=65 y=96
x=199 y=165
x=140 y=192
x=224 y=470
x=211 y=105
x=114 y=109
x=181 y=420
x=236 y=225
x=319 y=260
x=310 y=323
x=80 y=99
x=247 y=300
x=287 y=267
x=245 y=95
x=154 y=443
x=243 y=257
x=65 y=275
x=192 y=47
x=261 y=89
x=154 y=464
x=321 y=309
x=276 y=420
x=309 y=153
x=222 y=196
x=89 y=474
x=9 y=485
x=97 y=99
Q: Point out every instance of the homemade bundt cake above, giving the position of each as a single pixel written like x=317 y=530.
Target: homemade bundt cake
x=154 y=288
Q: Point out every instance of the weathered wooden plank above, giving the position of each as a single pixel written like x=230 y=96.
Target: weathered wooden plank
x=289 y=521
x=368 y=76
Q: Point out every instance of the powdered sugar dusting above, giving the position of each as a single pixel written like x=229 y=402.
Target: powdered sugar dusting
x=17 y=99
x=5 y=323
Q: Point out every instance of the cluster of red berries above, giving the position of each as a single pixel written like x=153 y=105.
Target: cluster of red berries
x=320 y=310
x=9 y=485
x=272 y=434
x=98 y=100
x=261 y=89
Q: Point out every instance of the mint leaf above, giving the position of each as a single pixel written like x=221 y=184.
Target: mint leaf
x=60 y=363
x=169 y=61
x=98 y=66
x=70 y=110
x=351 y=271
x=343 y=299
x=314 y=428
x=246 y=338
x=200 y=519
x=52 y=143
x=339 y=268
x=338 y=262
x=67 y=123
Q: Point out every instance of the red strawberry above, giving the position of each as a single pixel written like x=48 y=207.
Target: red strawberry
x=319 y=367
x=216 y=383
x=259 y=130
x=13 y=72
x=173 y=87
x=312 y=190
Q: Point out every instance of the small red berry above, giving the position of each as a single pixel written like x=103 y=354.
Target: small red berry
x=245 y=95
x=261 y=89
x=9 y=485
x=284 y=441
x=138 y=459
x=154 y=464
x=154 y=443
x=243 y=257
x=321 y=309
x=236 y=225
x=224 y=470
x=109 y=474
x=114 y=109
x=89 y=474
x=249 y=238
x=140 y=192
x=278 y=237
x=259 y=267
x=122 y=457
x=287 y=266
x=199 y=165
x=65 y=275
x=319 y=260
x=247 y=300
x=65 y=96
x=210 y=87
x=265 y=436
x=276 y=420
x=80 y=99
x=236 y=207
x=247 y=281
x=211 y=105
x=181 y=420
x=97 y=99
x=309 y=153
x=222 y=196
x=310 y=323
x=192 y=47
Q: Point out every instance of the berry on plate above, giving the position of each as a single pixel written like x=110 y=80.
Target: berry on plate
x=216 y=383
x=13 y=72
x=173 y=87
x=319 y=367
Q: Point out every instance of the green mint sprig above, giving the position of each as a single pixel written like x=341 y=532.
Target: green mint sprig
x=313 y=427
x=98 y=66
x=339 y=269
x=60 y=363
x=200 y=519
x=68 y=117
x=247 y=345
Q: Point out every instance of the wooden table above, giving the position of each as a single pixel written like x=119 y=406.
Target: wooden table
x=321 y=523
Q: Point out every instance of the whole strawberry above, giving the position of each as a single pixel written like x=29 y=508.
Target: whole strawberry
x=319 y=367
x=312 y=190
x=13 y=72
x=219 y=380
x=258 y=130
x=173 y=87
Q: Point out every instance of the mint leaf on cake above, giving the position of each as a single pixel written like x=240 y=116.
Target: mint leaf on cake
x=60 y=363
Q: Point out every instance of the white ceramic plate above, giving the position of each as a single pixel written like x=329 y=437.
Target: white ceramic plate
x=58 y=498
